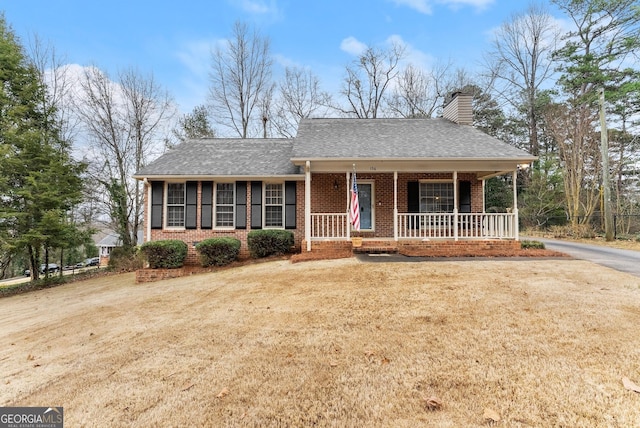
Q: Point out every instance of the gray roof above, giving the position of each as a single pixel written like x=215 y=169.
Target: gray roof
x=336 y=140
x=225 y=157
x=112 y=239
x=397 y=139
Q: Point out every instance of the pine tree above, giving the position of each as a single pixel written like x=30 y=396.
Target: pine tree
x=39 y=180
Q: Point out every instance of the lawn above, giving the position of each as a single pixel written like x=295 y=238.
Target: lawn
x=513 y=343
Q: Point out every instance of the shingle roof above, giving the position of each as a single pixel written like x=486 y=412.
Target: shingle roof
x=397 y=139
x=334 y=139
x=225 y=157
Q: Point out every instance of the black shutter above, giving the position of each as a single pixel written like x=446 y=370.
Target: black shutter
x=290 y=205
x=413 y=202
x=464 y=197
x=256 y=205
x=206 y=205
x=241 y=204
x=191 y=208
x=157 y=200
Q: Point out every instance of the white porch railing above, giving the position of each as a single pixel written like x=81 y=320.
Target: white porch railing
x=487 y=225
x=441 y=225
x=329 y=226
x=425 y=226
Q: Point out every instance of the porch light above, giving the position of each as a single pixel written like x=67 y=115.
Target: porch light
x=335 y=185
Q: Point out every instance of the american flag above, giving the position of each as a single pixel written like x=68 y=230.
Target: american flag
x=354 y=211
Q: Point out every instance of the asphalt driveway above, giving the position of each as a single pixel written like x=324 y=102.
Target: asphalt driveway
x=622 y=260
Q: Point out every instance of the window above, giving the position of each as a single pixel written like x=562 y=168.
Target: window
x=224 y=204
x=175 y=204
x=273 y=205
x=436 y=197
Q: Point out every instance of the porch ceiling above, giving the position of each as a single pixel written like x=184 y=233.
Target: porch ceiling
x=483 y=168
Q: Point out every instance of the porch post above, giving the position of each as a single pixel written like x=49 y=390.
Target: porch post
x=395 y=205
x=348 y=202
x=516 y=225
x=147 y=234
x=307 y=204
x=484 y=207
x=455 y=206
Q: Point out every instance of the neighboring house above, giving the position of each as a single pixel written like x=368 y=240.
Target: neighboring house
x=419 y=180
x=109 y=242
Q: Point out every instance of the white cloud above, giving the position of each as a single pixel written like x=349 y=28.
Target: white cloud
x=258 y=7
x=196 y=57
x=478 y=4
x=425 y=6
x=352 y=46
x=422 y=6
x=413 y=56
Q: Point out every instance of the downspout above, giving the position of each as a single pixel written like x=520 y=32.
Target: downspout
x=307 y=204
x=147 y=236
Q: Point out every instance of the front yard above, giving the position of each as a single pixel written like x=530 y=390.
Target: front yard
x=333 y=343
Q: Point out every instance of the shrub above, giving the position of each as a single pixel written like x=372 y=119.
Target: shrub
x=169 y=253
x=578 y=231
x=263 y=243
x=218 y=251
x=532 y=244
x=125 y=259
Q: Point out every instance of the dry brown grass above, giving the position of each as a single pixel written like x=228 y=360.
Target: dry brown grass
x=333 y=343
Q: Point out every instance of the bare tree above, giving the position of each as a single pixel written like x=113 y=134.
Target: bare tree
x=579 y=150
x=520 y=63
x=421 y=93
x=59 y=84
x=368 y=78
x=299 y=96
x=125 y=122
x=240 y=75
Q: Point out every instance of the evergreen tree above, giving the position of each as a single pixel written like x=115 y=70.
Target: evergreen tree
x=39 y=181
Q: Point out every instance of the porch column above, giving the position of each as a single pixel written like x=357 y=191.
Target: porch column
x=307 y=204
x=516 y=225
x=395 y=205
x=348 y=205
x=455 y=206
x=484 y=207
x=147 y=234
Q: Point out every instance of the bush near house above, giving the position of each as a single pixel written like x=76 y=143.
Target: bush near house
x=168 y=254
x=218 y=251
x=263 y=243
x=532 y=244
x=125 y=259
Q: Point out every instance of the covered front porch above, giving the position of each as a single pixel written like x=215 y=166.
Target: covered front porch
x=404 y=206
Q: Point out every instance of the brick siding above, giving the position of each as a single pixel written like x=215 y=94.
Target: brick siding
x=192 y=236
x=328 y=195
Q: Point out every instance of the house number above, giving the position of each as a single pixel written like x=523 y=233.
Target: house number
x=372 y=168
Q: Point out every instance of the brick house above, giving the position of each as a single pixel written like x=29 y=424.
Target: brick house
x=420 y=181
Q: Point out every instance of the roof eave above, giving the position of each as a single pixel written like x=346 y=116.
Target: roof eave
x=203 y=177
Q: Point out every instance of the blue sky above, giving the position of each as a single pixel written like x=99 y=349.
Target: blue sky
x=173 y=40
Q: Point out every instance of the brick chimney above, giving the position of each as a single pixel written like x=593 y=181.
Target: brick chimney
x=457 y=108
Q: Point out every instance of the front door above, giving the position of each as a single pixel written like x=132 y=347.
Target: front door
x=365 y=198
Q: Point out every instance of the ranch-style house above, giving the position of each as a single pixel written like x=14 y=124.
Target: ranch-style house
x=420 y=184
